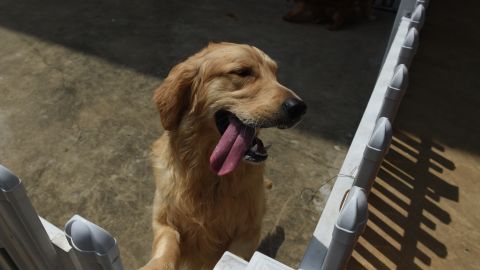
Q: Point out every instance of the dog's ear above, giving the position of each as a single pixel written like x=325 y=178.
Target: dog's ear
x=172 y=97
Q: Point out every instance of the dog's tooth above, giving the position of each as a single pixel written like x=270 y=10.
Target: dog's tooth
x=249 y=158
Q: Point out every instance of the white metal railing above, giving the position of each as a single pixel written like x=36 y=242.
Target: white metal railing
x=29 y=242
x=368 y=146
x=340 y=224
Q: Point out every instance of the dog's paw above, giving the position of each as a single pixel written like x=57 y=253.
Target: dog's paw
x=158 y=264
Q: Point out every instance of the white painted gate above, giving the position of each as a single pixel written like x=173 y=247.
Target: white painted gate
x=29 y=242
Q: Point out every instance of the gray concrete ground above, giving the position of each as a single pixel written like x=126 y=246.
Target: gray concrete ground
x=77 y=122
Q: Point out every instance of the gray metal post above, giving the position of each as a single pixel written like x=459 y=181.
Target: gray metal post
x=373 y=154
x=417 y=19
x=21 y=232
x=406 y=7
x=395 y=92
x=350 y=224
x=409 y=48
x=95 y=248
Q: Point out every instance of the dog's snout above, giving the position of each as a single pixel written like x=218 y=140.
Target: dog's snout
x=294 y=108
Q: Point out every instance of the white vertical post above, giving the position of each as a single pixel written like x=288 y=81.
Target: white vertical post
x=373 y=154
x=417 y=19
x=322 y=236
x=21 y=232
x=350 y=224
x=395 y=92
x=94 y=247
x=406 y=6
x=409 y=48
x=422 y=2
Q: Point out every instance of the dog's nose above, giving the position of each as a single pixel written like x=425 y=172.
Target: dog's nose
x=294 y=108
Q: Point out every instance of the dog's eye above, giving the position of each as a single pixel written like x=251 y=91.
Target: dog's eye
x=243 y=72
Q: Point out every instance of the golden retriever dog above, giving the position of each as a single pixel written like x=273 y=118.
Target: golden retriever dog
x=208 y=164
x=334 y=12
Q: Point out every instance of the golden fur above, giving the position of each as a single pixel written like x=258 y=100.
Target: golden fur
x=198 y=215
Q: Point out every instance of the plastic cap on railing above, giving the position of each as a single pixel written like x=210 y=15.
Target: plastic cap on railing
x=400 y=78
x=409 y=47
x=350 y=224
x=422 y=2
x=8 y=180
x=88 y=237
x=395 y=92
x=417 y=18
x=380 y=140
x=355 y=211
x=94 y=246
x=373 y=154
x=411 y=40
x=382 y=134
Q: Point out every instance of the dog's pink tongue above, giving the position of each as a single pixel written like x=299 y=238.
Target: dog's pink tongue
x=231 y=147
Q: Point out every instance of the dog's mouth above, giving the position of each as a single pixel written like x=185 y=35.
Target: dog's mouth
x=238 y=141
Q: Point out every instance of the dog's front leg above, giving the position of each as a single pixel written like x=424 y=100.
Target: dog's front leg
x=166 y=249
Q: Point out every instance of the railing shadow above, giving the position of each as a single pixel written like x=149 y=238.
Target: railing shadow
x=404 y=207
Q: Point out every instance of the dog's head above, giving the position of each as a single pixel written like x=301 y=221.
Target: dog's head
x=233 y=88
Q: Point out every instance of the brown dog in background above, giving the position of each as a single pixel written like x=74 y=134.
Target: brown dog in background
x=335 y=12
x=208 y=164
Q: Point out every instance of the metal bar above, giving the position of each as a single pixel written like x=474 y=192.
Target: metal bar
x=418 y=17
x=373 y=154
x=65 y=253
x=406 y=6
x=395 y=92
x=322 y=236
x=22 y=234
x=94 y=247
x=409 y=47
x=350 y=224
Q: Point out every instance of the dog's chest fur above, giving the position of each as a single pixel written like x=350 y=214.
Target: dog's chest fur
x=208 y=211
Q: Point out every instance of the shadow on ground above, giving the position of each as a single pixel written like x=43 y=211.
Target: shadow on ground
x=151 y=37
x=404 y=207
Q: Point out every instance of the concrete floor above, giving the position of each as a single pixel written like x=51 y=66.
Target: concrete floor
x=77 y=122
x=424 y=207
